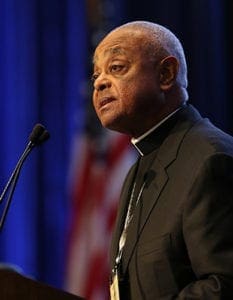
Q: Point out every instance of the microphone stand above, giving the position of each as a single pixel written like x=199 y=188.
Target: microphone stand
x=38 y=136
x=11 y=184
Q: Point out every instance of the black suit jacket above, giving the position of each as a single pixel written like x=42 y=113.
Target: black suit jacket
x=180 y=241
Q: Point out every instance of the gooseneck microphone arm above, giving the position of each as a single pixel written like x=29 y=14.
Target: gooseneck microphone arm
x=38 y=136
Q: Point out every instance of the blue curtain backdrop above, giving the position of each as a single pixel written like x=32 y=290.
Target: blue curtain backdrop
x=43 y=71
x=42 y=68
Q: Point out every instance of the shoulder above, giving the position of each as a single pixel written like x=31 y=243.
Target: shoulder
x=205 y=139
x=204 y=146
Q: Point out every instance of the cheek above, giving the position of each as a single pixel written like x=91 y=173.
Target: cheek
x=134 y=96
x=127 y=93
x=126 y=103
x=94 y=101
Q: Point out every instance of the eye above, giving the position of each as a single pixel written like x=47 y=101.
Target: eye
x=94 y=77
x=116 y=68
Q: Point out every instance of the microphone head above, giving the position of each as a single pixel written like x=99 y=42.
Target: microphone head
x=38 y=135
x=44 y=137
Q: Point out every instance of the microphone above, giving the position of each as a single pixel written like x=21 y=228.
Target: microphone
x=38 y=135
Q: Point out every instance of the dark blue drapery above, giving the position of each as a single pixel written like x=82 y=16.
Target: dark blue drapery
x=42 y=67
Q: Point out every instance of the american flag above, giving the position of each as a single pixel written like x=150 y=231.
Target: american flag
x=99 y=167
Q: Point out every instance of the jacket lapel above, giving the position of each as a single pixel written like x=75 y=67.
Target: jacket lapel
x=121 y=214
x=155 y=181
x=136 y=226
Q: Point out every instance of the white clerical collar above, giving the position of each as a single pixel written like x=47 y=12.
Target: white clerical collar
x=134 y=141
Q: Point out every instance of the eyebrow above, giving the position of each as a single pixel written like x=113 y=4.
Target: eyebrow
x=113 y=50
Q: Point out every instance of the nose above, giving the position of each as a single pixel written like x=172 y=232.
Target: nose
x=101 y=83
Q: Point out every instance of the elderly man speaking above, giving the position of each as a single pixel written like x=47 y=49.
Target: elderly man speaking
x=173 y=235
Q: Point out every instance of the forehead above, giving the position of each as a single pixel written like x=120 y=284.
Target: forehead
x=117 y=43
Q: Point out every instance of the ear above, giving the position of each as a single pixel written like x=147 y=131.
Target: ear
x=169 y=67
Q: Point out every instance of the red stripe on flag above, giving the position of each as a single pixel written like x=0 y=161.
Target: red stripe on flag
x=96 y=185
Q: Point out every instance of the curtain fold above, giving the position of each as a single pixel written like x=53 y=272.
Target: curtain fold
x=42 y=58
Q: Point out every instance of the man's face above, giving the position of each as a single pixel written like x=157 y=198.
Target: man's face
x=126 y=93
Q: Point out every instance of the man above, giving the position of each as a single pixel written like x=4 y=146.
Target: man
x=173 y=237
